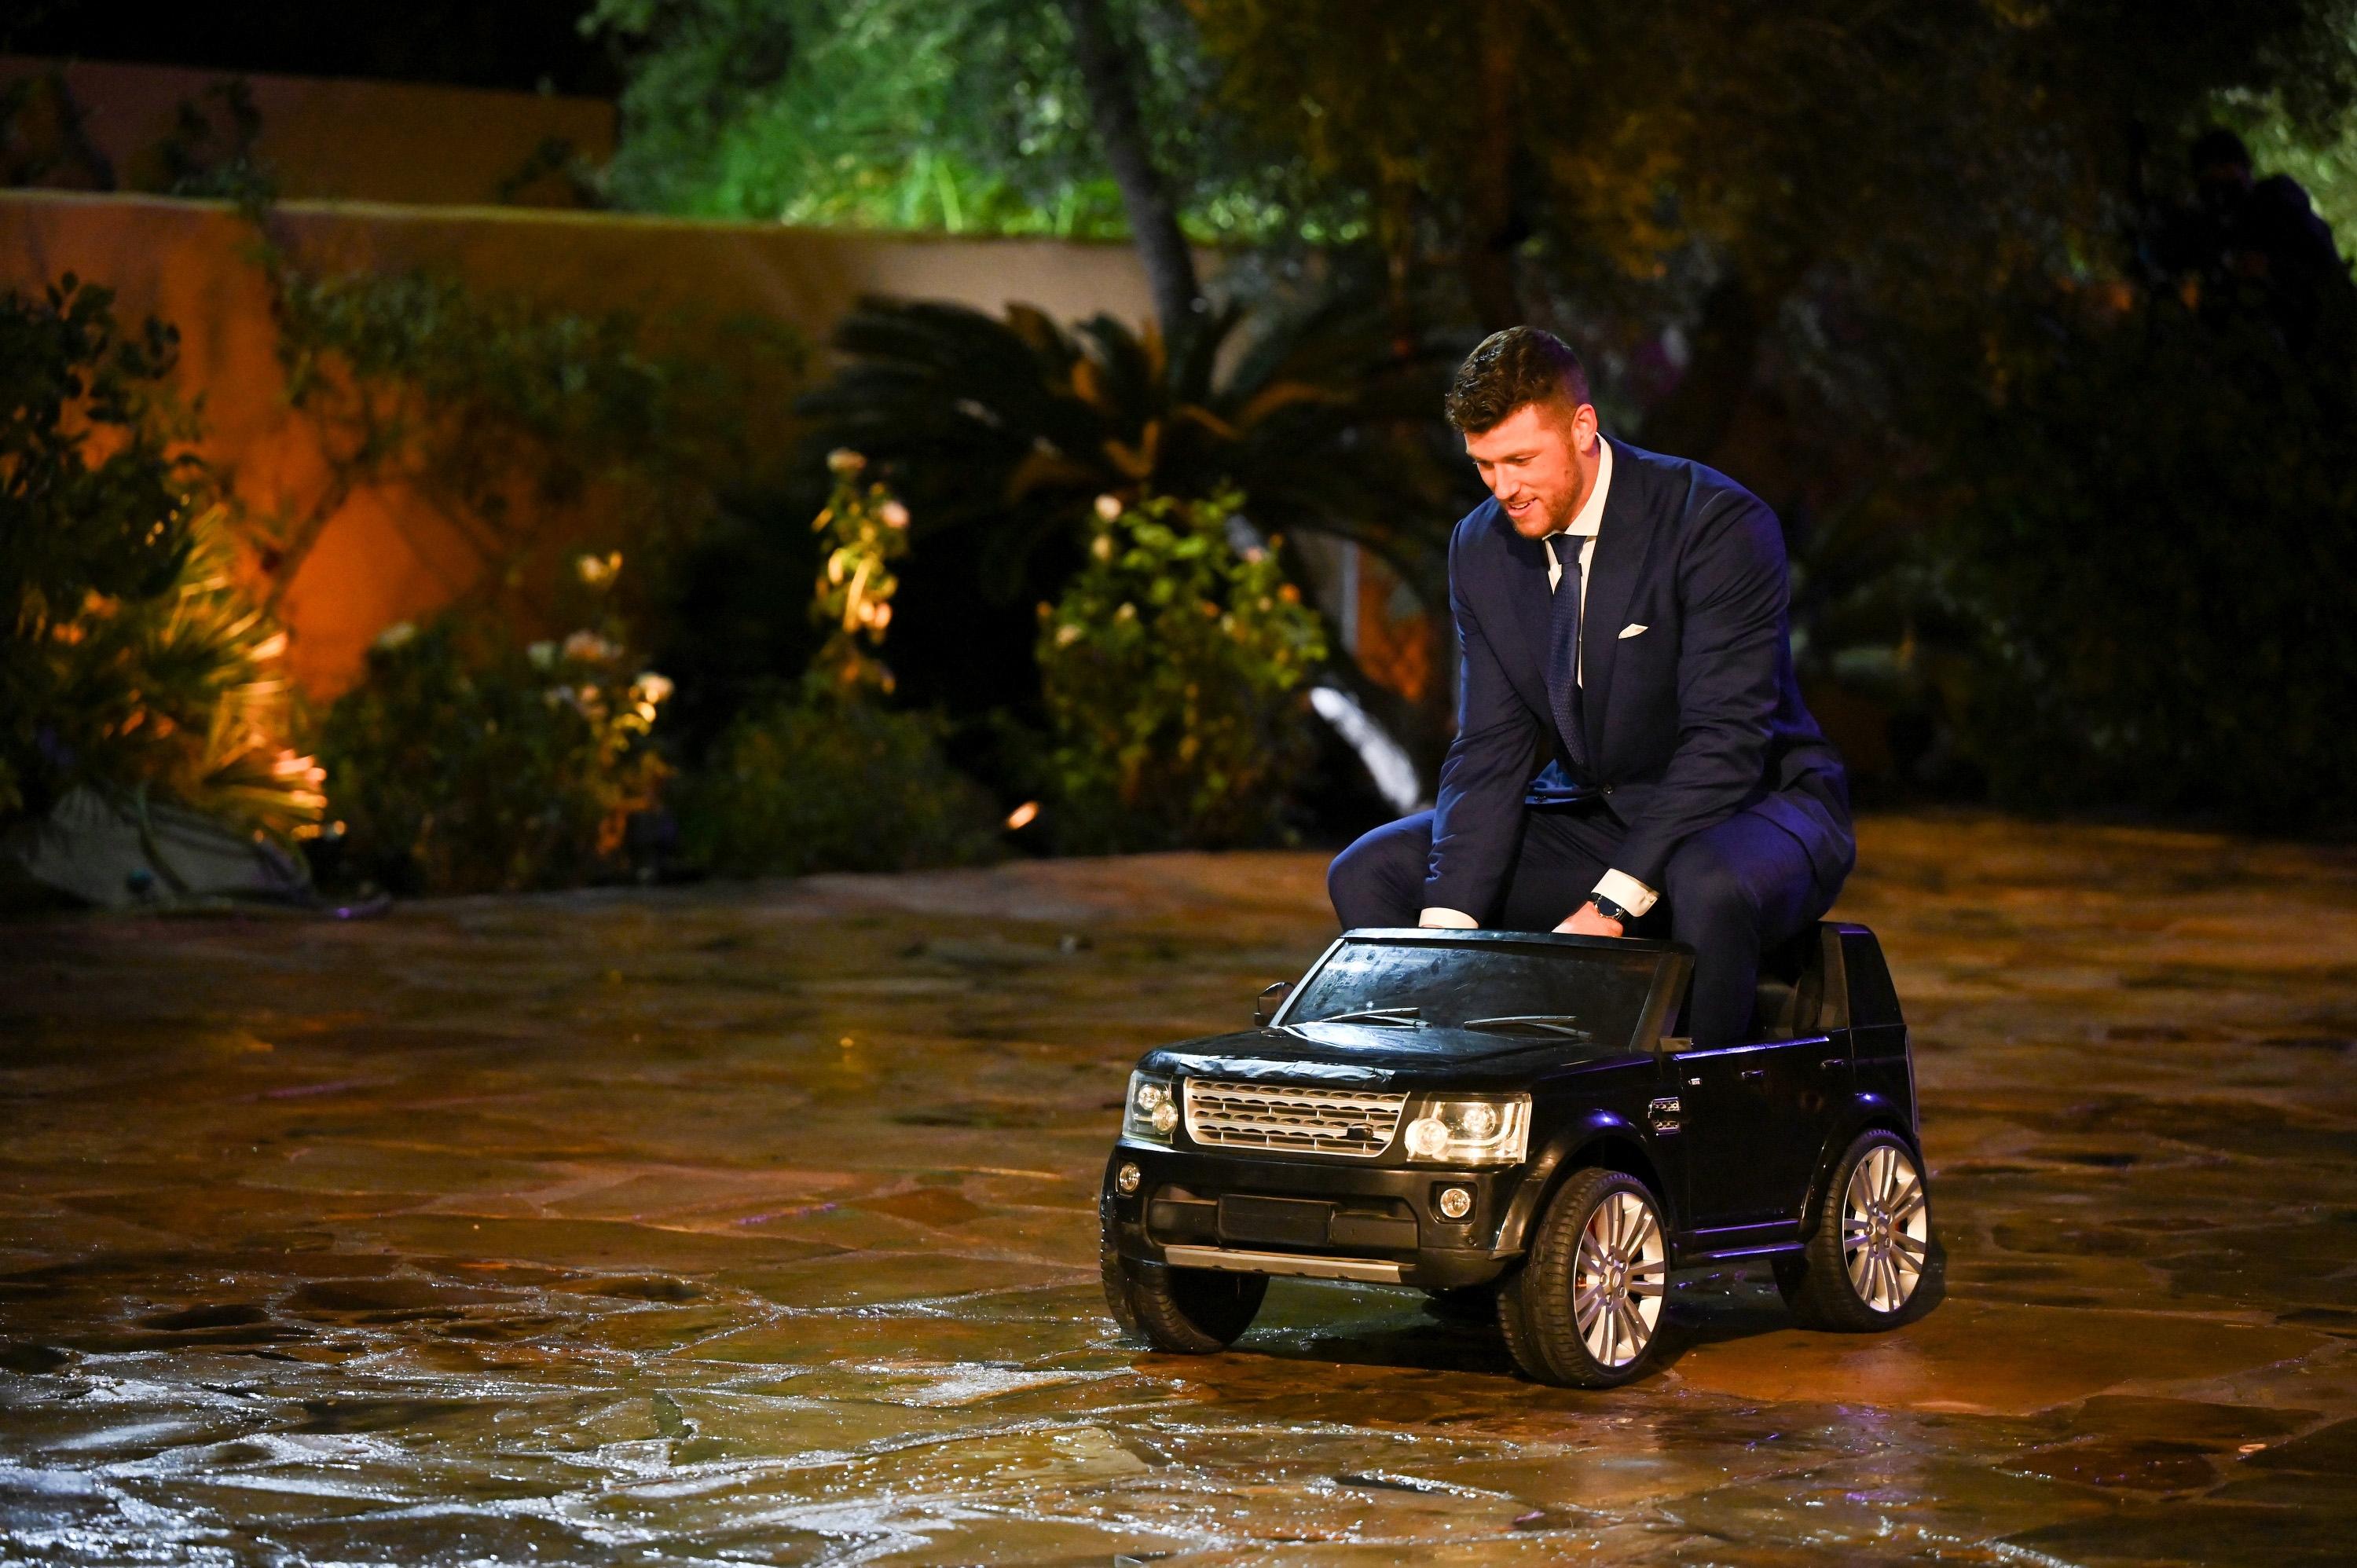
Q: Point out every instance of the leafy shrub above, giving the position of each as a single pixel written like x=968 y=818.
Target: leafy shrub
x=1003 y=431
x=2155 y=522
x=467 y=760
x=131 y=657
x=1172 y=668
x=820 y=782
x=829 y=779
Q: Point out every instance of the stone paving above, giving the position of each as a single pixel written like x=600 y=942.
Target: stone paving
x=754 y=1223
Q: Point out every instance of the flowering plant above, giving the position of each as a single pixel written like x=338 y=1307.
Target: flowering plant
x=469 y=761
x=1172 y=668
x=866 y=529
x=831 y=778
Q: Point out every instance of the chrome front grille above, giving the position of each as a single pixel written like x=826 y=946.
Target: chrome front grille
x=1285 y=1118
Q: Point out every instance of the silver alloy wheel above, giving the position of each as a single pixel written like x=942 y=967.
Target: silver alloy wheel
x=1886 y=1227
x=1619 y=1279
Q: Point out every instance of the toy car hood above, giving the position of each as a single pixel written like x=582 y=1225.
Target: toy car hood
x=1359 y=1054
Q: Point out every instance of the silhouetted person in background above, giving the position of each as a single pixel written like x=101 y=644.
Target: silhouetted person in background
x=2255 y=246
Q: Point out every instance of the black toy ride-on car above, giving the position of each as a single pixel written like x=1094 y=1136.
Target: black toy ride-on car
x=1493 y=1114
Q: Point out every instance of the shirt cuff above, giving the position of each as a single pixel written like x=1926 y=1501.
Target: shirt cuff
x=1447 y=920
x=1624 y=890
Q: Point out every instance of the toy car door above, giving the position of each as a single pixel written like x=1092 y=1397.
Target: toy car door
x=1757 y=1113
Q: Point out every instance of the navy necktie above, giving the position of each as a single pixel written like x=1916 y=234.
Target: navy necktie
x=1563 y=654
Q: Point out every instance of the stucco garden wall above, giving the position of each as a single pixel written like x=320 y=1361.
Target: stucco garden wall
x=386 y=555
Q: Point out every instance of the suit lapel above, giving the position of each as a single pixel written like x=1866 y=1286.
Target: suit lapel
x=1622 y=542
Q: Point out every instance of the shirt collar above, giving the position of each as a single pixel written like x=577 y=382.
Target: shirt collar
x=1591 y=512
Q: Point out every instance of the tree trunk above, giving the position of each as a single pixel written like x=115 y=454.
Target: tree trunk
x=1153 y=220
x=1698 y=412
x=1486 y=260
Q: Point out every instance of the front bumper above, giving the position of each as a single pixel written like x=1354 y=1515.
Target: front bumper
x=1316 y=1218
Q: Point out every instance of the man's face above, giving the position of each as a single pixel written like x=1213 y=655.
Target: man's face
x=1540 y=462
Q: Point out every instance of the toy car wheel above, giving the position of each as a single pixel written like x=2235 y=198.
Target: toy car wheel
x=1864 y=1268
x=1585 y=1308
x=1190 y=1312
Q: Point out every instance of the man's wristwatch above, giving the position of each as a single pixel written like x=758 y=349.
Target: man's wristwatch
x=1608 y=910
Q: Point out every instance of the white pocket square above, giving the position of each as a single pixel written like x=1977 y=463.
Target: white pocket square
x=1631 y=629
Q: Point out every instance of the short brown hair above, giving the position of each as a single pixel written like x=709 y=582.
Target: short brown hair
x=1521 y=365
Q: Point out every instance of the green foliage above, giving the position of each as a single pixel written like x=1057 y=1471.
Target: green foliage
x=131 y=657
x=819 y=782
x=203 y=159
x=469 y=761
x=967 y=117
x=1173 y=667
x=2321 y=156
x=1010 y=429
x=496 y=407
x=1949 y=138
x=2156 y=520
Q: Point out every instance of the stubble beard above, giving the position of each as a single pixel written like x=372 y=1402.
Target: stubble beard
x=1554 y=517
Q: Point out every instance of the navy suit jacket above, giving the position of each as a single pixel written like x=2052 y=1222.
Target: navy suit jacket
x=1685 y=723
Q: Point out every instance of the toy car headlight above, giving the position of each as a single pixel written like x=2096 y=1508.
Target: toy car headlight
x=1492 y=1131
x=1151 y=1112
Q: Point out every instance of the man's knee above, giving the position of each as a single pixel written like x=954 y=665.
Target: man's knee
x=1706 y=889
x=1380 y=878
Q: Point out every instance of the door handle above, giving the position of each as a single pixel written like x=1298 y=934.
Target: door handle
x=1833 y=1064
x=1755 y=1072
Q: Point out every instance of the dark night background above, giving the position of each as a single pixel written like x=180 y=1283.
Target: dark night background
x=523 y=46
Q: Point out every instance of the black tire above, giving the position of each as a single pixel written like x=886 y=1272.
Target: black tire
x=1189 y=1312
x=1610 y=1275
x=1866 y=1266
x=1470 y=1305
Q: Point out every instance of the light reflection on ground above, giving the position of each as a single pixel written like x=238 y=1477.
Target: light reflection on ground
x=754 y=1224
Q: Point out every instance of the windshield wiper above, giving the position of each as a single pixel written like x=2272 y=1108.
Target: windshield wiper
x=1399 y=1017
x=1564 y=1024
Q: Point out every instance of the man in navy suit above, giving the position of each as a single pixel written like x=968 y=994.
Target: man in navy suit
x=1629 y=728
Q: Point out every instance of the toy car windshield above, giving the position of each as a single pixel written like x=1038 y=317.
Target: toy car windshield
x=1591 y=996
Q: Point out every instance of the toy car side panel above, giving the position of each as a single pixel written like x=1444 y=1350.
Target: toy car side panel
x=1757 y=1116
x=1884 y=1068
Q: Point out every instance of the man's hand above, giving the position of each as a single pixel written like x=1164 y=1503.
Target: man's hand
x=1588 y=920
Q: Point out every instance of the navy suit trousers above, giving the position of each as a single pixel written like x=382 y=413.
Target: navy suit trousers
x=1730 y=891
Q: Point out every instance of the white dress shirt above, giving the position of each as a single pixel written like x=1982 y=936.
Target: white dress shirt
x=1616 y=886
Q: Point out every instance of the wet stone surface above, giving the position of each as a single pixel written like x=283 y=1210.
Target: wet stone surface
x=754 y=1224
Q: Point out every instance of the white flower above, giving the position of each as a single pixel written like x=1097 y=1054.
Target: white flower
x=1067 y=635
x=894 y=514
x=651 y=687
x=1109 y=508
x=542 y=655
x=397 y=633
x=590 y=647
x=845 y=462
